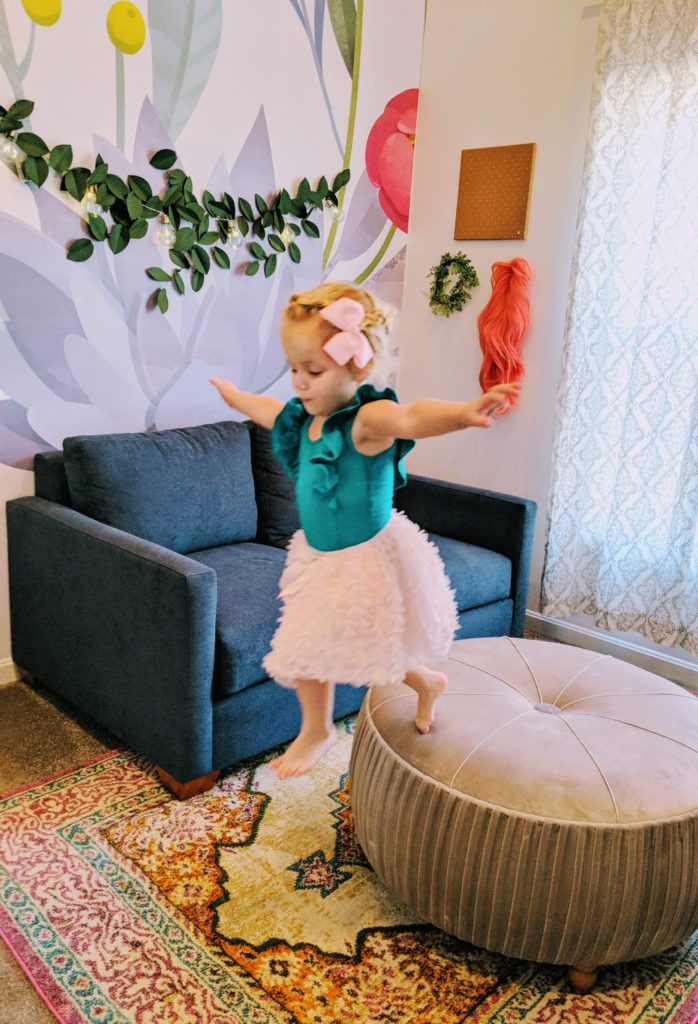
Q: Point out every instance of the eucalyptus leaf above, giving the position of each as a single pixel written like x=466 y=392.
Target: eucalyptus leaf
x=36 y=169
x=118 y=238
x=98 y=228
x=104 y=196
x=303 y=191
x=276 y=243
x=267 y=219
x=31 y=144
x=257 y=250
x=258 y=230
x=140 y=186
x=157 y=274
x=270 y=265
x=341 y=179
x=172 y=195
x=163 y=159
x=139 y=228
x=193 y=212
x=119 y=213
x=134 y=205
x=310 y=228
x=98 y=175
x=284 y=201
x=61 y=158
x=176 y=177
x=21 y=109
x=294 y=252
x=163 y=301
x=278 y=220
x=298 y=209
x=80 y=250
x=200 y=259
x=116 y=186
x=178 y=282
x=10 y=124
x=251 y=268
x=243 y=226
x=74 y=182
x=179 y=260
x=260 y=203
x=230 y=205
x=197 y=280
x=185 y=239
x=322 y=187
x=209 y=237
x=245 y=209
x=221 y=257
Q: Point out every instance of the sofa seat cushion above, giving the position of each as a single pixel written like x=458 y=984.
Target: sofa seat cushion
x=247 y=612
x=478 y=576
x=185 y=489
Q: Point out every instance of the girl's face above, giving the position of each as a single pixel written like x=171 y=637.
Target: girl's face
x=322 y=385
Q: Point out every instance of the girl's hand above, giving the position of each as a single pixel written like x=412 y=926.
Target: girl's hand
x=226 y=389
x=483 y=409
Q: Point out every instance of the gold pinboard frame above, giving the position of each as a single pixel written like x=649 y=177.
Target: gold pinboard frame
x=494 y=191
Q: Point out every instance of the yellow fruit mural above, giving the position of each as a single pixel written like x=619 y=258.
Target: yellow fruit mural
x=43 y=12
x=126 y=27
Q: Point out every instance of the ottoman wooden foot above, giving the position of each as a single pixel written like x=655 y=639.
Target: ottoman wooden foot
x=583 y=977
x=184 y=790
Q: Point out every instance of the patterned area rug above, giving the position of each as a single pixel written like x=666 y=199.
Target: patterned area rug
x=254 y=903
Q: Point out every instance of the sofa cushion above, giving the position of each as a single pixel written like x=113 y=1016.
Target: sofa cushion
x=277 y=513
x=186 y=488
x=479 y=576
x=247 y=613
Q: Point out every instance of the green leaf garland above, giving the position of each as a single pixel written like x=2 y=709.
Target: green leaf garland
x=122 y=209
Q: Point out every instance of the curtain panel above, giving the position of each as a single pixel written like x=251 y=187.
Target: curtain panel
x=622 y=542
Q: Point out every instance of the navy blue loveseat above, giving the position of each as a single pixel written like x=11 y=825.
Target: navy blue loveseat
x=144 y=575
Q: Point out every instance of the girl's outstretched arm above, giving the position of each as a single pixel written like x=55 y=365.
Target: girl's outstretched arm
x=428 y=417
x=261 y=408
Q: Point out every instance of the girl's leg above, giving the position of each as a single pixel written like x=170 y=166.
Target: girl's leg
x=428 y=686
x=317 y=732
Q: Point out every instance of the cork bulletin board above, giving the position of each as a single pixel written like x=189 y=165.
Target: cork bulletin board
x=494 y=191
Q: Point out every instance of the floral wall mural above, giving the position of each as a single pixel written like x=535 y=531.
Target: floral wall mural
x=252 y=98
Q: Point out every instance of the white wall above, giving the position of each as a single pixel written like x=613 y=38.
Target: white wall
x=497 y=73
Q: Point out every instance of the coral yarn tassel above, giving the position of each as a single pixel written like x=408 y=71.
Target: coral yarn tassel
x=503 y=324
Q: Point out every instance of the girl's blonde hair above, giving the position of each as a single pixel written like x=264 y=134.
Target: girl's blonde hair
x=304 y=308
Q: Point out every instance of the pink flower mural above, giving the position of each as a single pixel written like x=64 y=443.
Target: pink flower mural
x=390 y=155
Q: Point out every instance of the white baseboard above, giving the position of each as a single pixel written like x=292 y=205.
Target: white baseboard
x=667 y=665
x=8 y=671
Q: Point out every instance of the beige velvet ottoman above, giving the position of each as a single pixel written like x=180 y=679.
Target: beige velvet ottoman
x=551 y=813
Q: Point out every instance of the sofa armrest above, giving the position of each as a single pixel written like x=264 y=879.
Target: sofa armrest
x=498 y=522
x=121 y=627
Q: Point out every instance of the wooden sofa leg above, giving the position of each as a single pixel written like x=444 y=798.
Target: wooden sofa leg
x=583 y=977
x=183 y=790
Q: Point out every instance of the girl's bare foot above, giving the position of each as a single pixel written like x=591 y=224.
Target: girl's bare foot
x=428 y=686
x=302 y=754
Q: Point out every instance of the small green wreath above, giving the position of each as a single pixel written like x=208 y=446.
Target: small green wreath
x=444 y=300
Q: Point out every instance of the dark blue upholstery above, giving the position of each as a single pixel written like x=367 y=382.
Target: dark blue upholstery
x=247 y=613
x=164 y=649
x=185 y=488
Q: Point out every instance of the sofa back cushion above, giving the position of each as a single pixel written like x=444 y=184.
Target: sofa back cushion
x=186 y=488
x=277 y=512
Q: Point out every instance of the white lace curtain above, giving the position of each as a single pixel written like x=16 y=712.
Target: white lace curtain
x=623 y=520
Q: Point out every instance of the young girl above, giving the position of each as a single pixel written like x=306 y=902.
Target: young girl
x=365 y=598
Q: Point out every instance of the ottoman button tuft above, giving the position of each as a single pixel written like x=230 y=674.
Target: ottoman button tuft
x=548 y=709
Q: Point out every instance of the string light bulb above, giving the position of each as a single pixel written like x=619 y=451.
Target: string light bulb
x=9 y=150
x=287 y=235
x=335 y=213
x=235 y=238
x=166 y=233
x=92 y=207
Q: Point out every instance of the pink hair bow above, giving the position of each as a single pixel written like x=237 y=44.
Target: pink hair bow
x=349 y=342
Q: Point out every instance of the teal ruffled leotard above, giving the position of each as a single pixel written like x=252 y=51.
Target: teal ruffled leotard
x=344 y=497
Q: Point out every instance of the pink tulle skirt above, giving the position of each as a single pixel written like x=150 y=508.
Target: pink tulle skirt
x=364 y=614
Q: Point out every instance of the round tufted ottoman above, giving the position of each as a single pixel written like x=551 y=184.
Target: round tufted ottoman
x=551 y=813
